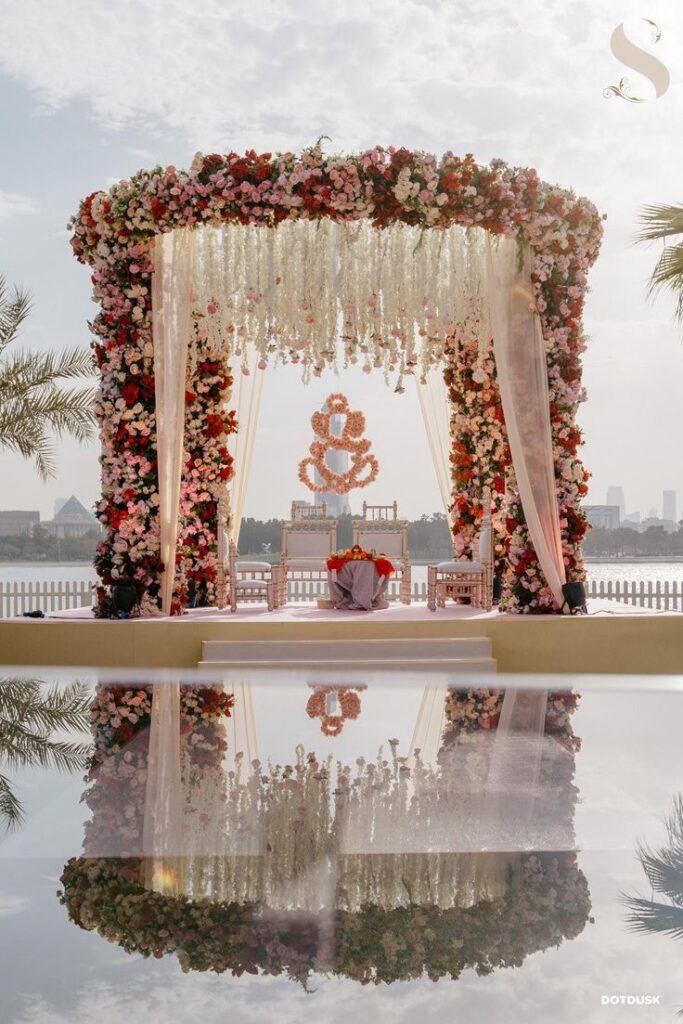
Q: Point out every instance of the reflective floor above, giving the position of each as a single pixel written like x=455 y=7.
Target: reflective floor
x=350 y=844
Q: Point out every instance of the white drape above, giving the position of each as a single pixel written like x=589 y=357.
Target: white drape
x=246 y=402
x=435 y=408
x=171 y=326
x=164 y=798
x=520 y=355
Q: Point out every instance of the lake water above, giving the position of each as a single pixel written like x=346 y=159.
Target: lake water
x=661 y=572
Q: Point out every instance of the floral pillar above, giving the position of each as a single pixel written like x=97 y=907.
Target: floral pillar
x=566 y=242
x=208 y=467
x=479 y=451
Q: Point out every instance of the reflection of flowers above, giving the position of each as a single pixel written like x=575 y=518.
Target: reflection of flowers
x=119 y=722
x=475 y=709
x=543 y=898
x=349 y=704
x=544 y=904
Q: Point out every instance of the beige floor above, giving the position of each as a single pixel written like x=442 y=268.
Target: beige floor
x=614 y=638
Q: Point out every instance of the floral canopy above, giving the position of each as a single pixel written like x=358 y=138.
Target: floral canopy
x=370 y=216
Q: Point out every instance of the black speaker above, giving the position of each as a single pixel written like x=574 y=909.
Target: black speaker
x=575 y=598
x=124 y=596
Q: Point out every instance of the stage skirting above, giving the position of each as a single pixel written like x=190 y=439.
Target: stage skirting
x=614 y=639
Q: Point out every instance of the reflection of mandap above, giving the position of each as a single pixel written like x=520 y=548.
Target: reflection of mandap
x=358 y=905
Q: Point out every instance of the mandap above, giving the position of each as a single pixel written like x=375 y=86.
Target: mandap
x=471 y=279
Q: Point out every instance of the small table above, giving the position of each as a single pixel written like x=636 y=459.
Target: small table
x=357 y=586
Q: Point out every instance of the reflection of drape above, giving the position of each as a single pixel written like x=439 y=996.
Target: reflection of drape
x=171 y=325
x=163 y=832
x=241 y=738
x=428 y=732
x=521 y=363
x=312 y=835
x=433 y=396
x=245 y=400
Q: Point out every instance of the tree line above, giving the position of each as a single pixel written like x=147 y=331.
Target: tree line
x=43 y=547
x=625 y=543
x=428 y=537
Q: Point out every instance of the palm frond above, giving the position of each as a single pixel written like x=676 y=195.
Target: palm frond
x=35 y=707
x=14 y=310
x=35 y=370
x=20 y=434
x=11 y=809
x=652 y=917
x=660 y=220
x=674 y=823
x=664 y=872
x=668 y=275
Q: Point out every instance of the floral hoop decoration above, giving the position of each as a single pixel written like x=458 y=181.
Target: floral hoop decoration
x=347 y=699
x=350 y=440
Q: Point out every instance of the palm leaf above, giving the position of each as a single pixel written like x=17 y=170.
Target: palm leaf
x=61 y=707
x=660 y=221
x=668 y=274
x=10 y=806
x=14 y=310
x=650 y=916
x=34 y=404
x=664 y=872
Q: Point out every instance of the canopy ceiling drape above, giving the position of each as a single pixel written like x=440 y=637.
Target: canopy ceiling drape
x=400 y=291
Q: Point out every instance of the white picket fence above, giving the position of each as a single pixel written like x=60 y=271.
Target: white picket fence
x=32 y=595
x=25 y=596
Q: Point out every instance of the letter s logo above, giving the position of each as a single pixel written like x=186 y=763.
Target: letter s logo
x=641 y=61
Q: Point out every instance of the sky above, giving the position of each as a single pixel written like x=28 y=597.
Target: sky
x=90 y=92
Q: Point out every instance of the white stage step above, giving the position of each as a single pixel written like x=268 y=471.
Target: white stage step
x=467 y=654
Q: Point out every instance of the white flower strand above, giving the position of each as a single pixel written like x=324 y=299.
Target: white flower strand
x=392 y=297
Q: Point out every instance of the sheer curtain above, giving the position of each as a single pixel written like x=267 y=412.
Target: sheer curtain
x=171 y=326
x=246 y=402
x=520 y=356
x=163 y=830
x=435 y=408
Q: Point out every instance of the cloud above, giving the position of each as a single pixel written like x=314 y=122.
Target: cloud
x=11 y=905
x=13 y=205
x=279 y=72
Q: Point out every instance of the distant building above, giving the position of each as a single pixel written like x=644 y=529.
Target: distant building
x=631 y=519
x=72 y=520
x=615 y=496
x=603 y=517
x=338 y=462
x=669 y=510
x=58 y=505
x=18 y=523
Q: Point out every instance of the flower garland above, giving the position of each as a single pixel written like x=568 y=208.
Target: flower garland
x=358 y=554
x=114 y=233
x=350 y=440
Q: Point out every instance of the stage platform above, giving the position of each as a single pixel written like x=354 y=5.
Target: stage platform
x=613 y=638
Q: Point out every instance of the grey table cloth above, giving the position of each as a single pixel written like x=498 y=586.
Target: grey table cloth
x=357 y=586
